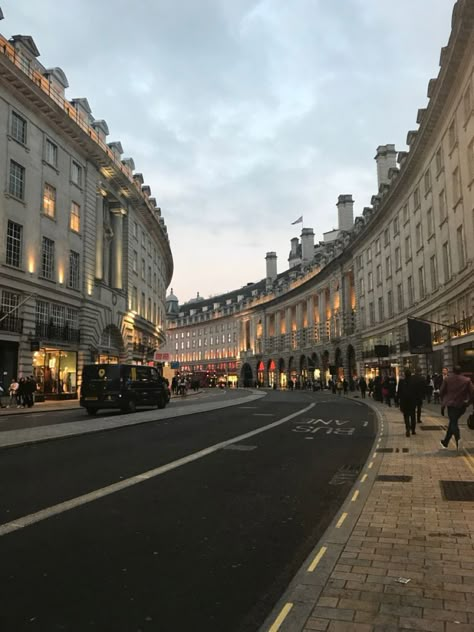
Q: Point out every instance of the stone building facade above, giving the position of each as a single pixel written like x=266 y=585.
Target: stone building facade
x=85 y=257
x=410 y=254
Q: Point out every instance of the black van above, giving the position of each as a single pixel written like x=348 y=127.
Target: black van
x=122 y=386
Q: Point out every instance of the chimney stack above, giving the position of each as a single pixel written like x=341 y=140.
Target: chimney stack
x=271 y=259
x=345 y=212
x=307 y=245
x=386 y=158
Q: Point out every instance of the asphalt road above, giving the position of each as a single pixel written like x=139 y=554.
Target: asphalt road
x=210 y=544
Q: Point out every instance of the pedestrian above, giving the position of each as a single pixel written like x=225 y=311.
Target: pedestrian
x=339 y=386
x=13 y=392
x=407 y=398
x=445 y=373
x=371 y=387
x=362 y=386
x=378 y=389
x=420 y=389
x=429 y=389
x=30 y=390
x=22 y=393
x=345 y=385
x=456 y=393
x=386 y=391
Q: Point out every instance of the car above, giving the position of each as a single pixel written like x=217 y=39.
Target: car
x=122 y=386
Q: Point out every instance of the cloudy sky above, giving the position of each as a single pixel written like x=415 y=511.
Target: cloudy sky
x=243 y=115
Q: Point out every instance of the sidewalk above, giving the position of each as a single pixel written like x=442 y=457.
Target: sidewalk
x=400 y=552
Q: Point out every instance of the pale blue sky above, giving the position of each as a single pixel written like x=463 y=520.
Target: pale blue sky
x=243 y=115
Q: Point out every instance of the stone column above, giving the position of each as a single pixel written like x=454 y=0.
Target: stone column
x=310 y=310
x=99 y=236
x=322 y=314
x=117 y=250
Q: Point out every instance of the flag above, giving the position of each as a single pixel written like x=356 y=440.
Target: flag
x=298 y=221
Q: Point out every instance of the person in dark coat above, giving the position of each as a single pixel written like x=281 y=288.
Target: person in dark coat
x=420 y=388
x=407 y=398
x=456 y=393
x=362 y=386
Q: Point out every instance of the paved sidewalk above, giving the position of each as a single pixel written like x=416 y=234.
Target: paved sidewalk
x=399 y=555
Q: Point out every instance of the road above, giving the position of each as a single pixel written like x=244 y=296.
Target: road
x=201 y=536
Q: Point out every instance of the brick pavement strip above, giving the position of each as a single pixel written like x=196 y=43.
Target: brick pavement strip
x=404 y=530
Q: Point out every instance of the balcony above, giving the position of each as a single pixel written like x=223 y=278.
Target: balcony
x=48 y=331
x=13 y=324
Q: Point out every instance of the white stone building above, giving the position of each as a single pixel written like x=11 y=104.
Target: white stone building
x=410 y=254
x=85 y=257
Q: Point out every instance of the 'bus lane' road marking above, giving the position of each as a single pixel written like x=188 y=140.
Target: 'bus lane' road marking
x=54 y=510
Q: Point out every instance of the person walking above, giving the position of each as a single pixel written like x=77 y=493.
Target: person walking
x=362 y=386
x=456 y=393
x=13 y=391
x=407 y=398
x=420 y=389
x=386 y=391
x=445 y=373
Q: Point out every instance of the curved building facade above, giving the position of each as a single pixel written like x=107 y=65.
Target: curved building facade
x=410 y=254
x=85 y=257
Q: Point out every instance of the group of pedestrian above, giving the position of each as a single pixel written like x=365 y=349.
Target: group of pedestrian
x=456 y=393
x=22 y=392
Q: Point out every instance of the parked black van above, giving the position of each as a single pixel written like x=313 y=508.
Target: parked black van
x=122 y=386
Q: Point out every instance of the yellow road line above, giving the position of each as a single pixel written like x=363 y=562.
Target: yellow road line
x=317 y=559
x=354 y=497
x=341 y=520
x=281 y=617
x=364 y=478
x=371 y=465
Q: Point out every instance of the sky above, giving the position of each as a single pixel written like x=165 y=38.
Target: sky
x=244 y=115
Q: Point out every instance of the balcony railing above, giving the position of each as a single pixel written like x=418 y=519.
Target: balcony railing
x=12 y=323
x=49 y=331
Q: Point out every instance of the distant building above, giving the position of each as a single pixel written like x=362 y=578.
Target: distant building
x=410 y=253
x=85 y=258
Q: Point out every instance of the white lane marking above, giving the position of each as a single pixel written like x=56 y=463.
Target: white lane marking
x=67 y=505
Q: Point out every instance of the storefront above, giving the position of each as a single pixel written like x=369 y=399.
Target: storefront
x=55 y=372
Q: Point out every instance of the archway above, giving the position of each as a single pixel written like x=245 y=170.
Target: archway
x=246 y=375
x=271 y=370
x=281 y=373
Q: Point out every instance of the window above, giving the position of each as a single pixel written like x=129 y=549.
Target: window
x=47 y=258
x=362 y=316
x=378 y=272
x=388 y=267
x=390 y=303
x=456 y=186
x=405 y=214
x=407 y=248
x=362 y=289
x=73 y=270
x=419 y=236
x=396 y=226
x=57 y=314
x=143 y=270
x=400 y=297
x=439 y=160
x=49 y=200
x=143 y=239
x=377 y=247
x=411 y=294
x=76 y=173
x=9 y=306
x=51 y=153
x=381 y=310
x=18 y=128
x=142 y=305
x=14 y=244
x=421 y=281
x=434 y=273
x=134 y=304
x=398 y=258
x=430 y=222
x=442 y=206
x=371 y=314
x=135 y=230
x=446 y=262
x=17 y=180
x=452 y=136
x=135 y=262
x=427 y=181
x=467 y=103
x=461 y=248
x=149 y=276
x=386 y=237
x=42 y=312
x=75 y=217
x=149 y=314
x=416 y=198
x=72 y=318
x=370 y=282
x=369 y=255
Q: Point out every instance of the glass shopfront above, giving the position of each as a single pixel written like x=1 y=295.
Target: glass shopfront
x=55 y=372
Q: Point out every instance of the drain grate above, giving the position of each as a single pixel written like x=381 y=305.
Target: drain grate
x=393 y=478
x=458 y=490
x=390 y=450
x=423 y=427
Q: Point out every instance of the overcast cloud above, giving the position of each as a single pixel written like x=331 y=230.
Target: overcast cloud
x=243 y=115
